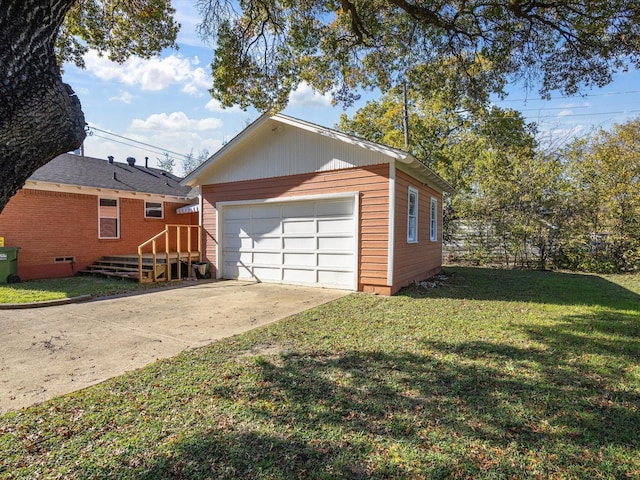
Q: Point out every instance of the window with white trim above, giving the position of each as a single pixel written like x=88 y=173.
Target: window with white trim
x=108 y=218
x=433 y=224
x=153 y=210
x=412 y=216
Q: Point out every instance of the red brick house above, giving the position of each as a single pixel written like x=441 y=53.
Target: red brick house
x=75 y=210
x=287 y=201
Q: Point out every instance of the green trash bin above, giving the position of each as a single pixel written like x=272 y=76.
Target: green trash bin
x=9 y=265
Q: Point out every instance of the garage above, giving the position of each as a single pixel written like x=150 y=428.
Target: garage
x=306 y=242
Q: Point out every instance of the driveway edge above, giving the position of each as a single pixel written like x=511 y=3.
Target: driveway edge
x=47 y=303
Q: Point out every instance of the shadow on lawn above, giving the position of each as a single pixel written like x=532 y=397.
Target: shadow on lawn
x=457 y=409
x=466 y=409
x=558 y=288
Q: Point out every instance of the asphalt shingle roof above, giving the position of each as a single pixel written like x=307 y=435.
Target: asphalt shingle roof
x=73 y=169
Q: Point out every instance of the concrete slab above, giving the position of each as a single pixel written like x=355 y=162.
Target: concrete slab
x=46 y=352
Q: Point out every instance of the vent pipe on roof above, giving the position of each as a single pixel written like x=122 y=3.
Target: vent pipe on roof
x=110 y=157
x=146 y=162
x=115 y=177
x=131 y=161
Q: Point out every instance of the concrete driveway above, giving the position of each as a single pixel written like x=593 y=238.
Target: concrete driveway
x=45 y=352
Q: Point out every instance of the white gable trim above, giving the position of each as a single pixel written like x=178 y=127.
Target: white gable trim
x=206 y=173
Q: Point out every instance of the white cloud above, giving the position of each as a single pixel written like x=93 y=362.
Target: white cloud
x=176 y=122
x=214 y=105
x=153 y=74
x=124 y=97
x=305 y=96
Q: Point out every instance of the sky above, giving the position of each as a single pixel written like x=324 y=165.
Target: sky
x=164 y=103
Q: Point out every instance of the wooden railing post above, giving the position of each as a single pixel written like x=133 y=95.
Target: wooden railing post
x=167 y=249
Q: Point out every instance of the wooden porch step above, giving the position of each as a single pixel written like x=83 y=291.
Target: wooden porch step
x=126 y=266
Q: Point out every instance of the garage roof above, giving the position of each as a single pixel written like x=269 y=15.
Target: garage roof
x=405 y=160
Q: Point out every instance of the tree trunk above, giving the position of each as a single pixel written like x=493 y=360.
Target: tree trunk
x=40 y=116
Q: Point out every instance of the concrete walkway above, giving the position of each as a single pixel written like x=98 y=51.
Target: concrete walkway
x=45 y=352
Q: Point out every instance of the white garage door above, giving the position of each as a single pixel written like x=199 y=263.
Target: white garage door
x=297 y=242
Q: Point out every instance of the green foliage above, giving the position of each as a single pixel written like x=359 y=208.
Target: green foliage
x=494 y=374
x=265 y=48
x=486 y=153
x=605 y=169
x=117 y=28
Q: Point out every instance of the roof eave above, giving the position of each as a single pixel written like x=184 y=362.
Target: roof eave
x=431 y=177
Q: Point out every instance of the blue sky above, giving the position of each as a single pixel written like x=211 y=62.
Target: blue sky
x=165 y=102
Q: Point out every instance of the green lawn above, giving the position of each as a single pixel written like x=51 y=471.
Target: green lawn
x=495 y=374
x=62 y=288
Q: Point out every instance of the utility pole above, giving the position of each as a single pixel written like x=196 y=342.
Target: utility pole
x=405 y=115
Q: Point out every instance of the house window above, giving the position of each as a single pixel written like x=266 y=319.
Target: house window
x=153 y=210
x=433 y=224
x=108 y=218
x=412 y=216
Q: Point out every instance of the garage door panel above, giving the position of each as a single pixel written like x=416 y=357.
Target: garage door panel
x=335 y=226
x=267 y=258
x=267 y=274
x=300 y=259
x=341 y=243
x=298 y=210
x=299 y=226
x=237 y=227
x=311 y=242
x=299 y=243
x=265 y=226
x=238 y=258
x=297 y=275
x=237 y=213
x=332 y=277
x=334 y=260
x=267 y=243
x=334 y=209
x=266 y=211
x=233 y=243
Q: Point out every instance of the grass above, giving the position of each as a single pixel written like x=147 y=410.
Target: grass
x=495 y=374
x=61 y=288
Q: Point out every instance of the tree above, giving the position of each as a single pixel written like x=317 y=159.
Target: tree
x=466 y=141
x=191 y=161
x=167 y=163
x=265 y=48
x=40 y=116
x=605 y=169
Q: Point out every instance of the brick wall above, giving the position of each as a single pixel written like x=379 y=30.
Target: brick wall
x=48 y=224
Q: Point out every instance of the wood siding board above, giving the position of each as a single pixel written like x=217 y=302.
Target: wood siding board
x=414 y=261
x=370 y=181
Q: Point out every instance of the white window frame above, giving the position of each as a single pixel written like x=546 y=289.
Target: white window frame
x=147 y=209
x=117 y=217
x=433 y=223
x=412 y=217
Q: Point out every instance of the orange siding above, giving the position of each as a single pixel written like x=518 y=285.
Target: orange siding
x=415 y=261
x=371 y=182
x=49 y=224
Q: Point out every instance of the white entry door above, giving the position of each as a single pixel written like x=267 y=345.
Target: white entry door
x=311 y=242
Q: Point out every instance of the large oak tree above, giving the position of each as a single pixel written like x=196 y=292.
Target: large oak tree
x=267 y=47
x=40 y=116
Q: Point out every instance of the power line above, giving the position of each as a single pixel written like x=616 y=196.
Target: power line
x=157 y=150
x=567 y=98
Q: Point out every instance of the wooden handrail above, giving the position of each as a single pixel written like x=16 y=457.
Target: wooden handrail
x=166 y=234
